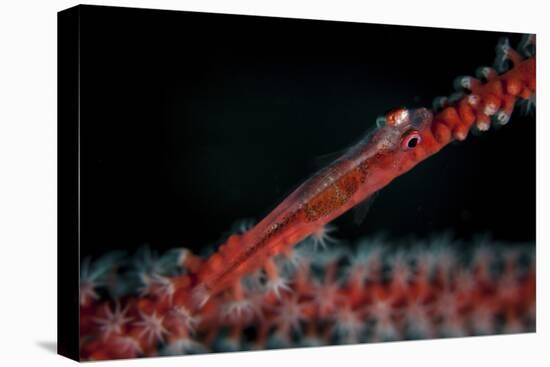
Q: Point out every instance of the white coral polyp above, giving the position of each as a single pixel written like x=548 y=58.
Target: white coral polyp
x=186 y=320
x=321 y=238
x=277 y=286
x=242 y=310
x=157 y=285
x=152 y=327
x=113 y=321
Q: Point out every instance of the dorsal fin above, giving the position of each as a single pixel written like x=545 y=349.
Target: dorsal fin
x=323 y=160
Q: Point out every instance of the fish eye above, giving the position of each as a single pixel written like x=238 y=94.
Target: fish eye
x=410 y=140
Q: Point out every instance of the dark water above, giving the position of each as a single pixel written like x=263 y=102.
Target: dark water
x=192 y=121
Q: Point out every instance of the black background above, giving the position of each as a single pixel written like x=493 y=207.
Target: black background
x=192 y=121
